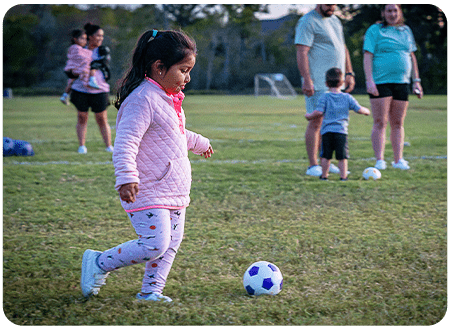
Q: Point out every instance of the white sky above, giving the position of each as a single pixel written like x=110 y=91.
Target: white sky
x=277 y=11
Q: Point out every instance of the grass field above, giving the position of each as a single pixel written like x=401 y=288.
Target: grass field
x=351 y=253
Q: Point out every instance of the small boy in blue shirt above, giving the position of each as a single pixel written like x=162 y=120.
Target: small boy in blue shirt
x=334 y=107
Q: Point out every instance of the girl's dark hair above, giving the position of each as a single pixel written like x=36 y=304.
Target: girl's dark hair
x=91 y=29
x=76 y=34
x=384 y=24
x=170 y=47
x=334 y=77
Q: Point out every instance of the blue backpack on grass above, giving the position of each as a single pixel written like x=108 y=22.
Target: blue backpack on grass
x=16 y=148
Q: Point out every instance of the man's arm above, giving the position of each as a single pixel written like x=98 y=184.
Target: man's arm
x=303 y=67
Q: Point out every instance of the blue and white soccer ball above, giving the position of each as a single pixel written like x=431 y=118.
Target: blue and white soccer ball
x=263 y=277
x=371 y=173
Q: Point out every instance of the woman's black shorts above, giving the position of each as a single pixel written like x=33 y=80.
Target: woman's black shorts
x=398 y=92
x=83 y=101
x=334 y=142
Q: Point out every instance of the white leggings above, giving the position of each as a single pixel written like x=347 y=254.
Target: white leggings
x=160 y=232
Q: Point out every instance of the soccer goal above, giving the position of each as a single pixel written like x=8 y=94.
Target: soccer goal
x=274 y=84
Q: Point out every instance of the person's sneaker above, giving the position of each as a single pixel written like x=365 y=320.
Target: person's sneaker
x=334 y=169
x=314 y=170
x=402 y=164
x=153 y=296
x=344 y=179
x=92 y=276
x=64 y=98
x=380 y=165
x=93 y=83
x=82 y=150
x=110 y=149
x=322 y=178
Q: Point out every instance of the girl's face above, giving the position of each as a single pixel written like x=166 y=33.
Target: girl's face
x=81 y=40
x=175 y=79
x=96 y=39
x=392 y=14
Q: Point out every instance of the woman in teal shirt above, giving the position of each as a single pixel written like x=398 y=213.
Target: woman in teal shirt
x=389 y=61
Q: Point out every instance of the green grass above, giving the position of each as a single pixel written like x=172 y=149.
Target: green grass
x=354 y=253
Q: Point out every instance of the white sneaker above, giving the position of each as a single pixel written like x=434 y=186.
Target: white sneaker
x=314 y=170
x=92 y=277
x=153 y=296
x=64 y=99
x=380 y=165
x=334 y=169
x=82 y=150
x=93 y=82
x=402 y=164
x=110 y=149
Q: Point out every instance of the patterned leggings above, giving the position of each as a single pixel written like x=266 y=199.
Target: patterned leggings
x=160 y=233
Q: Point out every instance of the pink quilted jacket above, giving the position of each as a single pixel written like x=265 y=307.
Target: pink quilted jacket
x=78 y=59
x=151 y=149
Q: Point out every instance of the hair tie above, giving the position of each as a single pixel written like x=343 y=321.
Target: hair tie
x=155 y=32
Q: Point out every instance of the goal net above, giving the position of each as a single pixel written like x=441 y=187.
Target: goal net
x=274 y=84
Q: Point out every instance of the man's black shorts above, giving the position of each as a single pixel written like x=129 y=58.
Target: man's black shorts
x=83 y=101
x=334 y=142
x=398 y=92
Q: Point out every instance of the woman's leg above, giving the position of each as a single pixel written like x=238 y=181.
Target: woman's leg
x=156 y=271
x=397 y=116
x=380 y=112
x=105 y=129
x=82 y=120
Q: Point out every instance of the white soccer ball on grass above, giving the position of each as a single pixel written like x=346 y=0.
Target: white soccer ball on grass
x=371 y=173
x=263 y=277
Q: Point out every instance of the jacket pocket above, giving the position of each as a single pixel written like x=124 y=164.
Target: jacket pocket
x=176 y=181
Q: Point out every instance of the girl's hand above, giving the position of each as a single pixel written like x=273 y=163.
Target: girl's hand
x=208 y=153
x=128 y=192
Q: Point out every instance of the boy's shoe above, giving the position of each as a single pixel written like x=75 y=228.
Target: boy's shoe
x=323 y=179
x=153 y=296
x=82 y=150
x=110 y=149
x=402 y=164
x=344 y=179
x=92 y=277
x=93 y=83
x=380 y=165
x=64 y=98
x=334 y=169
x=314 y=170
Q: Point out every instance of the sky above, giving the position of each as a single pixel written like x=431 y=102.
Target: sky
x=277 y=11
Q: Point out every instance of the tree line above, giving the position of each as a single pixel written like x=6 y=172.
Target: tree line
x=233 y=45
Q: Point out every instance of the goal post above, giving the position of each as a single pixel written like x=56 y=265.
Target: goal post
x=275 y=85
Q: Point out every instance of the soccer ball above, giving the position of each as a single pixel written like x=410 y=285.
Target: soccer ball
x=371 y=172
x=262 y=277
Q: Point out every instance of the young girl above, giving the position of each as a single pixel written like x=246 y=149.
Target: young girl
x=153 y=173
x=78 y=64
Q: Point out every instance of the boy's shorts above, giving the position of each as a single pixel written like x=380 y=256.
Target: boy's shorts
x=334 y=142
x=311 y=101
